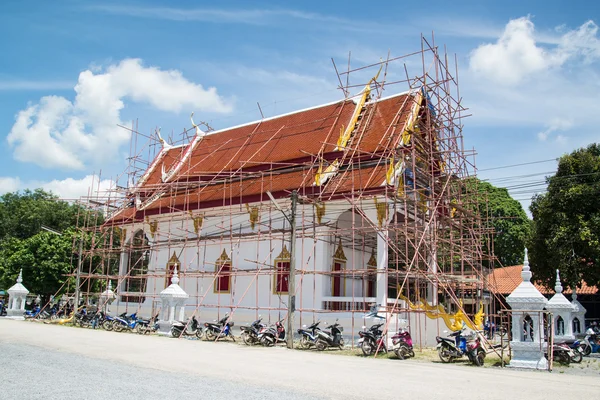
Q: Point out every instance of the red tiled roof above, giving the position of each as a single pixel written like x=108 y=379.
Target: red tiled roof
x=506 y=279
x=278 y=154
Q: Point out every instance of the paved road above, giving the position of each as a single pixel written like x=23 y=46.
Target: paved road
x=155 y=367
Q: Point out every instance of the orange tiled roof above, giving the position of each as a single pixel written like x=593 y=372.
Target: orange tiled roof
x=506 y=279
x=277 y=154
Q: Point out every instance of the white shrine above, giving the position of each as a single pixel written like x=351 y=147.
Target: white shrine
x=528 y=342
x=562 y=310
x=16 y=298
x=172 y=305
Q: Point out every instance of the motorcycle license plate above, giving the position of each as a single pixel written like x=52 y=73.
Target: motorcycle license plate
x=579 y=349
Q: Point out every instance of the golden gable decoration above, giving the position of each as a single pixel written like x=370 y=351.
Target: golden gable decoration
x=198 y=221
x=253 y=212
x=339 y=253
x=153 y=226
x=382 y=212
x=320 y=211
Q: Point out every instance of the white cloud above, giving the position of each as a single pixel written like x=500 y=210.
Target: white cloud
x=556 y=124
x=58 y=133
x=66 y=189
x=517 y=56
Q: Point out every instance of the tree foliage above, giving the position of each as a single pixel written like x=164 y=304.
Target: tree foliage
x=46 y=258
x=506 y=217
x=566 y=221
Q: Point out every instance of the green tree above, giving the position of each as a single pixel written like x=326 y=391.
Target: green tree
x=23 y=214
x=44 y=257
x=506 y=217
x=566 y=221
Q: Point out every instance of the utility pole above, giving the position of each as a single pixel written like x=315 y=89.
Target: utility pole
x=78 y=276
x=292 y=278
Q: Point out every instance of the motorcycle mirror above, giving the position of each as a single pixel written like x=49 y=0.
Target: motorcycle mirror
x=364 y=327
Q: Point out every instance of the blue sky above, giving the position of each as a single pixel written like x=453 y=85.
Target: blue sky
x=72 y=70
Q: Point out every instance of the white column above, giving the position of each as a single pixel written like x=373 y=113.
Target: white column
x=181 y=313
x=382 y=266
x=171 y=314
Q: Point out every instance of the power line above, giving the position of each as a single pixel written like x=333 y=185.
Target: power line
x=518 y=165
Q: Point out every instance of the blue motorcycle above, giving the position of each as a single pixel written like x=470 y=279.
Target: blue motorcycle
x=218 y=330
x=308 y=336
x=34 y=312
x=457 y=347
x=123 y=322
x=590 y=343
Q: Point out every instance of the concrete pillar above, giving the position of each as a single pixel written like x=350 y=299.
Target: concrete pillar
x=382 y=265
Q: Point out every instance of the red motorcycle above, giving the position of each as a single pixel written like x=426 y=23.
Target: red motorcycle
x=402 y=344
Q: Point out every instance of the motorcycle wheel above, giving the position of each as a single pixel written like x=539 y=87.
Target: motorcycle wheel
x=118 y=327
x=176 y=333
x=321 y=345
x=367 y=348
x=141 y=330
x=199 y=333
x=577 y=357
x=479 y=358
x=247 y=339
x=210 y=335
x=304 y=343
x=586 y=349
x=107 y=325
x=341 y=343
x=402 y=351
x=444 y=354
x=411 y=353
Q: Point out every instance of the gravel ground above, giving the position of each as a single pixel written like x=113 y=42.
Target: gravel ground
x=131 y=365
x=30 y=372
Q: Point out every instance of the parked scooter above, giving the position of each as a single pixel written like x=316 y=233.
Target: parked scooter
x=590 y=342
x=402 y=344
x=331 y=338
x=562 y=353
x=183 y=328
x=122 y=322
x=250 y=333
x=371 y=340
x=219 y=329
x=451 y=349
x=308 y=335
x=272 y=335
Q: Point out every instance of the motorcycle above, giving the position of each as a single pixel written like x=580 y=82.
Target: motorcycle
x=578 y=350
x=123 y=322
x=272 y=335
x=371 y=340
x=590 y=342
x=34 y=312
x=250 y=333
x=219 y=330
x=180 y=328
x=562 y=353
x=331 y=338
x=451 y=349
x=308 y=335
x=402 y=344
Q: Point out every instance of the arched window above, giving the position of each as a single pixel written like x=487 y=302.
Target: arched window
x=576 y=325
x=527 y=329
x=282 y=272
x=560 y=326
x=137 y=260
x=223 y=272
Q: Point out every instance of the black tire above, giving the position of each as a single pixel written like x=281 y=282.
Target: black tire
x=402 y=352
x=199 y=333
x=444 y=353
x=563 y=358
x=210 y=335
x=320 y=345
x=368 y=347
x=117 y=327
x=587 y=350
x=577 y=356
x=479 y=358
x=176 y=333
x=411 y=353
x=107 y=325
x=304 y=343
